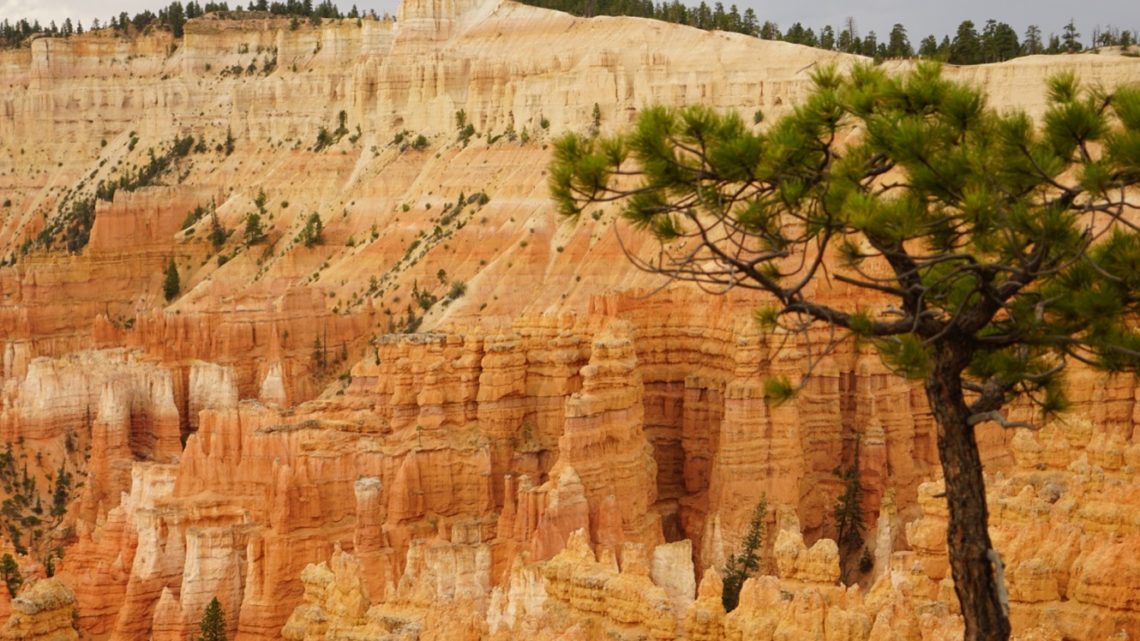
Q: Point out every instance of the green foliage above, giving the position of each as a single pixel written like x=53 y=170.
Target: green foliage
x=341 y=124
x=779 y=390
x=213 y=624
x=171 y=285
x=313 y=231
x=986 y=234
x=218 y=233
x=906 y=355
x=997 y=40
x=466 y=133
x=10 y=573
x=76 y=212
x=423 y=297
x=320 y=361
x=324 y=139
x=193 y=217
x=977 y=250
x=744 y=564
x=458 y=289
x=62 y=493
x=254 y=229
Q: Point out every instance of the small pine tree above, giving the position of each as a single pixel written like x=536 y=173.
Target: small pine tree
x=171 y=285
x=319 y=360
x=218 y=234
x=213 y=625
x=848 y=512
x=10 y=572
x=741 y=566
x=254 y=229
x=313 y=231
x=62 y=492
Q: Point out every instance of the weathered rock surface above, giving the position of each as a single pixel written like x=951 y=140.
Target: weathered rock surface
x=556 y=455
x=42 y=612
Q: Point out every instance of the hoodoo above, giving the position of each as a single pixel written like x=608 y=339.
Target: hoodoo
x=395 y=396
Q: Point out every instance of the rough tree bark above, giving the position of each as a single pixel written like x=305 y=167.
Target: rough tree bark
x=968 y=537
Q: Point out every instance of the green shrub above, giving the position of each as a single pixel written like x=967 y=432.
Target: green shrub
x=466 y=133
x=313 y=231
x=193 y=217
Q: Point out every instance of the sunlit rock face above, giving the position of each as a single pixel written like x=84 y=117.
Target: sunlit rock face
x=457 y=416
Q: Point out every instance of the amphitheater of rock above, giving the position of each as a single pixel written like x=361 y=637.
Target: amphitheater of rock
x=559 y=451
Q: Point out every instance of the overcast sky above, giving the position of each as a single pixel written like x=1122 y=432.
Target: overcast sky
x=920 y=18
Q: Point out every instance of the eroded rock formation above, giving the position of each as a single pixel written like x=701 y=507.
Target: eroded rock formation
x=453 y=416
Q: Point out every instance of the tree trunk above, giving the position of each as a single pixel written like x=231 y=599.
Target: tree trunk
x=968 y=538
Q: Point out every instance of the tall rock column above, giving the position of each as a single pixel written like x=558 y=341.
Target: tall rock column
x=369 y=541
x=605 y=444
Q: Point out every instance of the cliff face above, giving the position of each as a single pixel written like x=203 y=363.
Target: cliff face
x=454 y=416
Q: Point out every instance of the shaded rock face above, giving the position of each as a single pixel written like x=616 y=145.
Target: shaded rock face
x=555 y=454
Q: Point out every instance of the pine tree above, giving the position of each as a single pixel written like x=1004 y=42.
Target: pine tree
x=898 y=45
x=176 y=18
x=62 y=492
x=1032 y=44
x=1070 y=38
x=827 y=38
x=982 y=271
x=10 y=573
x=743 y=565
x=313 y=231
x=254 y=229
x=218 y=233
x=750 y=24
x=848 y=512
x=171 y=286
x=966 y=48
x=928 y=47
x=213 y=625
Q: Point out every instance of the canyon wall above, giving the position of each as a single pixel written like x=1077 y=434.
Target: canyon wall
x=456 y=416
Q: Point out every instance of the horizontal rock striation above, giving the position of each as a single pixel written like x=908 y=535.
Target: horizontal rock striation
x=449 y=415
